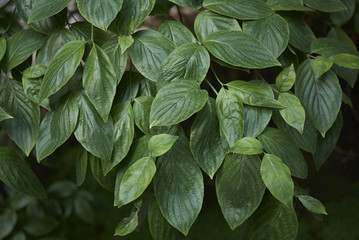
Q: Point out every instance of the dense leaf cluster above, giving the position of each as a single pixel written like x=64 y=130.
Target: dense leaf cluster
x=124 y=94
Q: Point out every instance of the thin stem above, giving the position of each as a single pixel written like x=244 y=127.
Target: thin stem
x=179 y=14
x=215 y=75
x=211 y=86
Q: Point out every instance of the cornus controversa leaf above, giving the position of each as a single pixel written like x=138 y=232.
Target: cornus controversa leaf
x=61 y=68
x=96 y=136
x=105 y=181
x=247 y=146
x=238 y=201
x=129 y=224
x=15 y=173
x=286 y=79
x=161 y=143
x=254 y=95
x=293 y=113
x=208 y=22
x=24 y=128
x=343 y=16
x=346 y=60
x=289 y=153
x=189 y=61
x=40 y=226
x=240 y=9
x=273 y=221
x=8 y=220
x=325 y=5
x=176 y=102
x=312 y=204
x=329 y=47
x=56 y=127
x=206 y=142
x=99 y=13
x=22 y=45
x=147 y=54
x=239 y=49
x=4 y=115
x=178 y=186
x=195 y=4
x=287 y=5
x=136 y=179
x=321 y=98
x=81 y=166
x=125 y=42
x=3 y=45
x=272 y=31
x=230 y=113
x=176 y=32
x=119 y=60
x=276 y=176
x=43 y=9
x=99 y=81
x=321 y=65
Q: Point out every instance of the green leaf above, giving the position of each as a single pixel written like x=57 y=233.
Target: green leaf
x=128 y=224
x=289 y=153
x=176 y=102
x=348 y=75
x=123 y=134
x=329 y=47
x=321 y=65
x=312 y=204
x=43 y=9
x=230 y=113
x=341 y=17
x=94 y=135
x=208 y=22
x=160 y=144
x=22 y=45
x=206 y=142
x=125 y=42
x=272 y=31
x=240 y=9
x=276 y=176
x=253 y=94
x=176 y=32
x=3 y=45
x=325 y=5
x=40 y=226
x=4 y=115
x=274 y=221
x=247 y=146
x=108 y=181
x=32 y=86
x=35 y=71
x=195 y=4
x=147 y=55
x=84 y=210
x=81 y=166
x=56 y=127
x=293 y=113
x=119 y=60
x=99 y=13
x=239 y=49
x=321 y=98
x=238 y=201
x=136 y=179
x=24 y=128
x=286 y=78
x=99 y=81
x=346 y=60
x=287 y=5
x=189 y=61
x=61 y=68
x=7 y=222
x=15 y=173
x=141 y=113
x=178 y=186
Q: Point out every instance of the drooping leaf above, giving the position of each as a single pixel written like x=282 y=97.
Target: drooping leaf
x=15 y=173
x=206 y=142
x=312 y=204
x=128 y=224
x=272 y=31
x=240 y=9
x=24 y=127
x=176 y=32
x=239 y=49
x=208 y=22
x=43 y=9
x=276 y=176
x=81 y=166
x=61 y=68
x=189 y=61
x=289 y=153
x=293 y=113
x=341 y=17
x=247 y=146
x=99 y=13
x=119 y=60
x=94 y=135
x=147 y=55
x=230 y=113
x=178 y=186
x=161 y=143
x=286 y=79
x=3 y=46
x=195 y=4
x=176 y=102
x=56 y=127
x=99 y=81
x=325 y=5
x=8 y=220
x=238 y=201
x=321 y=98
x=108 y=181
x=321 y=65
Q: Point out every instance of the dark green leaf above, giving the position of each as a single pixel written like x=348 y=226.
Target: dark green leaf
x=3 y=45
x=81 y=166
x=346 y=60
x=329 y=47
x=40 y=226
x=43 y=9
x=108 y=181
x=128 y=224
x=176 y=32
x=341 y=17
x=238 y=201
x=287 y=5
x=247 y=146
x=4 y=115
x=312 y=204
x=119 y=60
x=195 y=4
x=293 y=113
x=7 y=222
x=160 y=144
x=325 y=5
x=84 y=210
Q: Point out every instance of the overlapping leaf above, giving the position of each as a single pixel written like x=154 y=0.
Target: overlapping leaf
x=325 y=5
x=195 y=4
x=293 y=113
x=43 y=9
x=176 y=32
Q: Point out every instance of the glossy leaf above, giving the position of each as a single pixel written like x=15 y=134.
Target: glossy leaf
x=176 y=32
x=61 y=68
x=328 y=47
x=43 y=9
x=321 y=65
x=99 y=81
x=99 y=13
x=287 y=5
x=240 y=9
x=293 y=113
x=125 y=42
x=189 y=61
x=3 y=46
x=286 y=79
x=119 y=60
x=239 y=49
x=238 y=201
x=160 y=144
x=247 y=146
x=15 y=173
x=4 y=115
x=176 y=102
x=195 y=4
x=312 y=204
x=206 y=142
x=325 y=5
